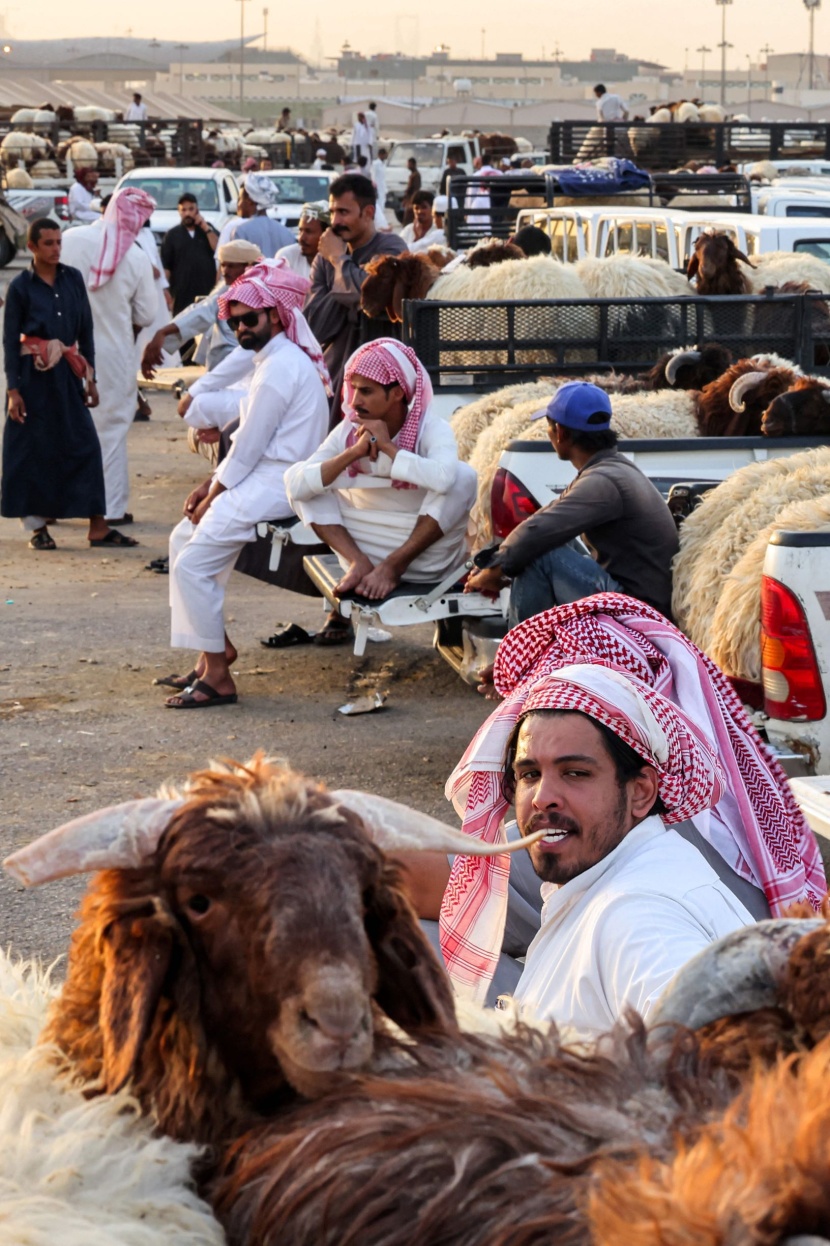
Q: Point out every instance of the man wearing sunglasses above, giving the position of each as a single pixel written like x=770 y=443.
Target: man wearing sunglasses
x=283 y=417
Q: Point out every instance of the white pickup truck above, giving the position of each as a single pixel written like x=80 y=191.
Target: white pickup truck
x=791 y=705
x=431 y=156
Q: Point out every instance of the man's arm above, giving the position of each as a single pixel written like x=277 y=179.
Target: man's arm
x=591 y=500
x=144 y=301
x=326 y=316
x=266 y=408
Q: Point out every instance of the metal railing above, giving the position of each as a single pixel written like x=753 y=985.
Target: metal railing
x=487 y=344
x=669 y=145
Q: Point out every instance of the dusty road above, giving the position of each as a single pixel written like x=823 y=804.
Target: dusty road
x=82 y=635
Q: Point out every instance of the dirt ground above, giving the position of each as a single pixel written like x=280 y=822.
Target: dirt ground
x=84 y=632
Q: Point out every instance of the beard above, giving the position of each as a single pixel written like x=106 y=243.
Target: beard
x=253 y=340
x=588 y=846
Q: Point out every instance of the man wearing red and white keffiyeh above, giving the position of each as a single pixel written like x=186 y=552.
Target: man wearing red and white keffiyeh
x=716 y=771
x=385 y=490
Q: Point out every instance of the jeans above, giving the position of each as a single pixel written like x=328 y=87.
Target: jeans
x=554 y=579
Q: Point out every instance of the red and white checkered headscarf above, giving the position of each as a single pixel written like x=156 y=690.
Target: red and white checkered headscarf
x=756 y=825
x=387 y=362
x=272 y=283
x=125 y=215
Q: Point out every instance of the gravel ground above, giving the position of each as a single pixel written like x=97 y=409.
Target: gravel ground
x=84 y=632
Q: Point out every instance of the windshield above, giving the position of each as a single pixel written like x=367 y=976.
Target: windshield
x=814 y=246
x=428 y=155
x=300 y=189
x=166 y=191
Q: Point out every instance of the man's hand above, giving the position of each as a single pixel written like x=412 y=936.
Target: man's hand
x=378 y=429
x=152 y=357
x=486 y=580
x=332 y=247
x=17 y=407
x=92 y=398
x=195 y=499
x=185 y=403
x=199 y=511
x=209 y=436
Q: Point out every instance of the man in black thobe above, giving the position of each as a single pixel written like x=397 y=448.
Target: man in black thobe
x=187 y=254
x=51 y=454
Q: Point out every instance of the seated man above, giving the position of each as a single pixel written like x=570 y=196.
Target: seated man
x=284 y=415
x=203 y=315
x=315 y=218
x=215 y=398
x=611 y=504
x=385 y=490
x=423 y=233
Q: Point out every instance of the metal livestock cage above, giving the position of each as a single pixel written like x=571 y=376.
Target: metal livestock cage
x=488 y=344
x=668 y=145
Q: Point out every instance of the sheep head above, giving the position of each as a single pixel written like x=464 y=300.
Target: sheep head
x=393 y=278
x=715 y=264
x=802 y=411
x=493 y=251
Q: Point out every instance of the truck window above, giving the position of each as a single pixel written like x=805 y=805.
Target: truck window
x=428 y=155
x=820 y=247
x=459 y=152
x=557 y=239
x=572 y=231
x=661 y=242
x=806 y=209
x=620 y=237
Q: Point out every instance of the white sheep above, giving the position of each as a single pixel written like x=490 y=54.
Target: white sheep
x=749 y=499
x=470 y=421
x=625 y=276
x=76 y=1170
x=736 y=627
x=774 y=268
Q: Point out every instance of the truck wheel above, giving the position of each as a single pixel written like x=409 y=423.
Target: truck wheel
x=8 y=250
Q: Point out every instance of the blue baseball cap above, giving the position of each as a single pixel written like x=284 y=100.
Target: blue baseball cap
x=577 y=404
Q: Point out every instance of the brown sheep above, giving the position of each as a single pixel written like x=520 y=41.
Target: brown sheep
x=732 y=405
x=393 y=278
x=687 y=369
x=255 y=954
x=715 y=264
x=803 y=411
x=493 y=251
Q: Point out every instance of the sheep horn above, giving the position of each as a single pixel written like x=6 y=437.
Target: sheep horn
x=737 y=974
x=736 y=394
x=118 y=837
x=397 y=828
x=679 y=361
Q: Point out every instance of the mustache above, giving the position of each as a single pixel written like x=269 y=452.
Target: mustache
x=550 y=821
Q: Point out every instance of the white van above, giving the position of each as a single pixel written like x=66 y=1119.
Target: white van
x=216 y=193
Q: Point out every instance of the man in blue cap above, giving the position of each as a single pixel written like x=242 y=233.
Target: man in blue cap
x=625 y=523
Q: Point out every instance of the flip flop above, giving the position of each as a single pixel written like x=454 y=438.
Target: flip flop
x=175 y=681
x=115 y=540
x=335 y=633
x=42 y=540
x=291 y=635
x=187 y=701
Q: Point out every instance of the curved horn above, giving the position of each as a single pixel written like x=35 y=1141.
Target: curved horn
x=736 y=394
x=737 y=974
x=118 y=837
x=679 y=361
x=397 y=828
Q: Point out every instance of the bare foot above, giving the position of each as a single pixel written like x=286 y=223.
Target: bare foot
x=357 y=571
x=379 y=582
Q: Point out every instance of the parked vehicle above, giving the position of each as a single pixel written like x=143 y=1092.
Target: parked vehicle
x=296 y=187
x=41 y=201
x=431 y=155
x=12 y=232
x=216 y=192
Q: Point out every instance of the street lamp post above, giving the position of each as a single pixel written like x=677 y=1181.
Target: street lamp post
x=748 y=85
x=723 y=46
x=181 y=48
x=242 y=4
x=703 y=50
x=265 y=30
x=811 y=6
x=765 y=51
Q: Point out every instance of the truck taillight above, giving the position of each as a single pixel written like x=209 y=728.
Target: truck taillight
x=510 y=503
x=62 y=207
x=793 y=687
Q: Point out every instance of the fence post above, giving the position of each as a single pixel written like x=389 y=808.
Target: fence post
x=555 y=143
x=803 y=334
x=720 y=136
x=776 y=137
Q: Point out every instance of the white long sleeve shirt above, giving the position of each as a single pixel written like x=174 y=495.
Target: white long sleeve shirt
x=79 y=200
x=283 y=417
x=233 y=372
x=615 y=936
x=434 y=237
x=295 y=259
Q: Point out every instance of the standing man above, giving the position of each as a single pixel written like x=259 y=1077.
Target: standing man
x=51 y=453
x=617 y=511
x=412 y=185
x=282 y=420
x=81 y=195
x=119 y=277
x=300 y=255
x=373 y=123
x=379 y=178
x=253 y=224
x=422 y=233
x=339 y=270
x=187 y=253
x=137 y=111
x=610 y=107
x=362 y=140
x=284 y=122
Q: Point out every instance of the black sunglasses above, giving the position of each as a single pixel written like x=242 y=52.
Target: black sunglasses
x=250 y=321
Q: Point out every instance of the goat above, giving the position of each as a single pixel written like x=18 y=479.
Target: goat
x=732 y=405
x=499 y=1144
x=714 y=263
x=802 y=411
x=246 y=941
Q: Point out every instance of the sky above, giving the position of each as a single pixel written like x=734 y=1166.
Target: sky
x=667 y=31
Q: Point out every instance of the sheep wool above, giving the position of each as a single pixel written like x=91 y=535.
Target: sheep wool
x=774 y=268
x=721 y=529
x=665 y=413
x=736 y=628
x=630 y=276
x=470 y=421
x=78 y=1171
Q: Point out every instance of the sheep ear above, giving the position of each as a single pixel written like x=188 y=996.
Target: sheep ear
x=137 y=950
x=413 y=988
x=395 y=308
x=694 y=265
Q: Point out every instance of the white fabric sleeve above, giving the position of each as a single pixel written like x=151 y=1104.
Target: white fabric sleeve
x=144 y=304
x=265 y=410
x=304 y=481
x=432 y=466
x=197 y=318
x=234 y=368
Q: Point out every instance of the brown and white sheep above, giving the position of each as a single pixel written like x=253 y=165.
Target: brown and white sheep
x=714 y=262
x=732 y=406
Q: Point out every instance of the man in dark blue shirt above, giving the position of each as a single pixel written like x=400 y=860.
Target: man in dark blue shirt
x=51 y=453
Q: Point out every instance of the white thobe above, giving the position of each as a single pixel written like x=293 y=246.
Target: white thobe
x=614 y=937
x=79 y=200
x=379 y=178
x=295 y=259
x=380 y=518
x=202 y=317
x=146 y=240
x=610 y=107
x=362 y=140
x=477 y=201
x=128 y=298
x=136 y=112
x=283 y=416
x=217 y=396
x=434 y=237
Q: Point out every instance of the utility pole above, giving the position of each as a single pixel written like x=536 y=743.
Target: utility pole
x=242 y=4
x=703 y=50
x=765 y=51
x=723 y=46
x=748 y=85
x=483 y=33
x=811 y=6
x=265 y=30
x=181 y=48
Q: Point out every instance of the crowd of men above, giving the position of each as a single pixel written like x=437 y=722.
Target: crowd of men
x=656 y=820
